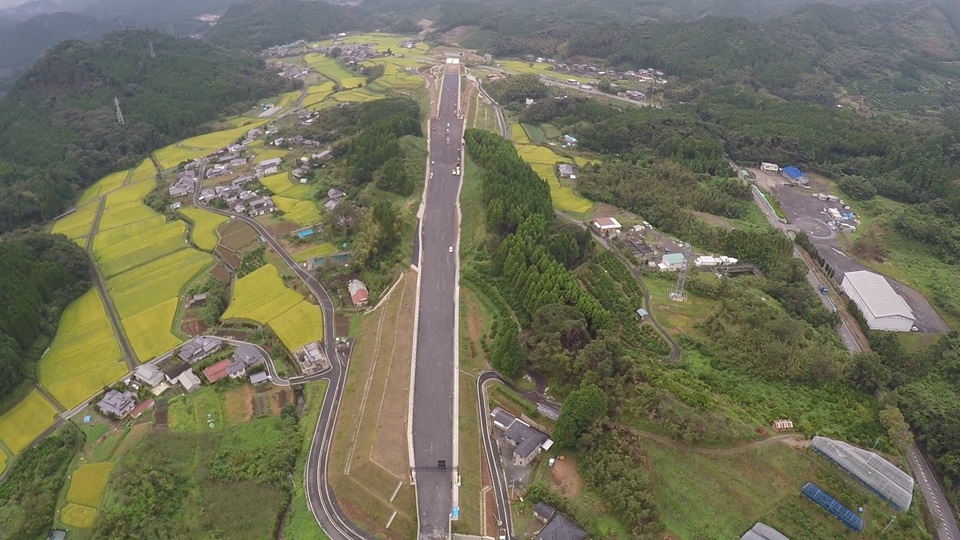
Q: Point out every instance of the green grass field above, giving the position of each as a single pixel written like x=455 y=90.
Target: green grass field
x=79 y=516
x=299 y=211
x=195 y=413
x=316 y=250
x=261 y=296
x=78 y=223
x=84 y=355
x=103 y=186
x=149 y=331
x=87 y=484
x=3 y=461
x=204 y=232
x=262 y=152
x=144 y=171
x=25 y=421
x=156 y=282
x=534 y=133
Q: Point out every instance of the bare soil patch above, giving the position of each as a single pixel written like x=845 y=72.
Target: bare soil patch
x=564 y=477
x=238 y=406
x=230 y=257
x=280 y=397
x=193 y=327
x=221 y=272
x=341 y=325
x=160 y=417
x=236 y=235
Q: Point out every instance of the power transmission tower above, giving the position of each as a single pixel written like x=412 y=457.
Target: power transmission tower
x=120 y=120
x=150 y=47
x=678 y=294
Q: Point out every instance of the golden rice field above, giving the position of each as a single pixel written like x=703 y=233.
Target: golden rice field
x=79 y=516
x=301 y=212
x=518 y=66
x=261 y=296
x=175 y=154
x=316 y=250
x=358 y=94
x=144 y=171
x=130 y=194
x=543 y=160
x=78 y=223
x=103 y=186
x=204 y=231
x=283 y=101
x=3 y=461
x=395 y=75
x=25 y=421
x=315 y=99
x=201 y=145
x=84 y=355
x=119 y=252
x=320 y=88
x=518 y=135
x=381 y=42
x=87 y=484
x=278 y=183
x=329 y=68
x=149 y=331
x=120 y=215
x=156 y=282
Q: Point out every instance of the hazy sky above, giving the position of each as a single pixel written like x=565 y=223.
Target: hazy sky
x=11 y=3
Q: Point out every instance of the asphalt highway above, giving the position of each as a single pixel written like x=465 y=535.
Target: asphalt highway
x=432 y=429
x=320 y=496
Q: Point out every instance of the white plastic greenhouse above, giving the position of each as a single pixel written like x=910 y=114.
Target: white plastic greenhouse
x=878 y=475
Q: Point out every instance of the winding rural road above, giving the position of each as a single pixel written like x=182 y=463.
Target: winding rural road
x=320 y=497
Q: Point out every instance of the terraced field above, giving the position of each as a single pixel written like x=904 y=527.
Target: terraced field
x=25 y=421
x=261 y=296
x=359 y=95
x=543 y=160
x=293 y=199
x=84 y=355
x=76 y=225
x=87 y=484
x=149 y=331
x=79 y=516
x=103 y=186
x=329 y=68
x=122 y=248
x=204 y=231
x=395 y=77
x=201 y=145
x=144 y=171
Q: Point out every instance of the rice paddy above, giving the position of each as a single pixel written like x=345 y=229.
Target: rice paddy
x=84 y=355
x=518 y=135
x=204 y=230
x=315 y=99
x=79 y=516
x=356 y=95
x=544 y=69
x=76 y=224
x=316 y=250
x=301 y=212
x=103 y=186
x=129 y=194
x=261 y=296
x=87 y=484
x=328 y=67
x=149 y=331
x=139 y=246
x=543 y=161
x=156 y=282
x=201 y=145
x=144 y=171
x=25 y=421
x=120 y=215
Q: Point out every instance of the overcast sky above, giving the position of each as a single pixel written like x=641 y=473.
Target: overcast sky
x=11 y=3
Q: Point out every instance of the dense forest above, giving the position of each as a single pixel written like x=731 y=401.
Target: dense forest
x=39 y=275
x=59 y=131
x=260 y=24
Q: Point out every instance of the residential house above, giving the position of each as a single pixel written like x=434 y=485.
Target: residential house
x=330 y=204
x=312 y=352
x=117 y=403
x=326 y=154
x=527 y=441
x=544 y=512
x=190 y=381
x=607 y=225
x=245 y=356
x=149 y=374
x=216 y=371
x=197 y=299
x=565 y=170
x=259 y=378
x=272 y=162
x=335 y=194
x=560 y=527
x=172 y=369
x=358 y=292
x=140 y=409
x=199 y=348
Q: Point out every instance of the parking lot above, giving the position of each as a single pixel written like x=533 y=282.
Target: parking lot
x=804 y=212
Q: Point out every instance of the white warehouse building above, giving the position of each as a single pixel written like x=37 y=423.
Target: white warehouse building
x=883 y=308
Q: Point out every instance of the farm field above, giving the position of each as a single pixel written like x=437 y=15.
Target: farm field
x=118 y=215
x=87 y=484
x=543 y=69
x=204 y=231
x=315 y=99
x=201 y=145
x=320 y=88
x=316 y=250
x=262 y=151
x=155 y=282
x=381 y=42
x=3 y=461
x=144 y=171
x=261 y=296
x=25 y=421
x=396 y=76
x=149 y=331
x=79 y=516
x=132 y=247
x=358 y=94
x=519 y=135
x=278 y=183
x=78 y=223
x=542 y=160
x=103 y=186
x=196 y=412
x=299 y=211
x=329 y=68
x=84 y=355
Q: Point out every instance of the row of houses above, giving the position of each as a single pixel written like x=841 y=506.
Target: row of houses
x=245 y=357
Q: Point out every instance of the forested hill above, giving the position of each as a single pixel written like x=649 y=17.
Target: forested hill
x=59 y=131
x=39 y=275
x=259 y=24
x=22 y=43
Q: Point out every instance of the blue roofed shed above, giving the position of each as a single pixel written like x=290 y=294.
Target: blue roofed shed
x=793 y=173
x=304 y=233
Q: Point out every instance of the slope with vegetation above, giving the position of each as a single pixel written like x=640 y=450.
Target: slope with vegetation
x=59 y=131
x=257 y=25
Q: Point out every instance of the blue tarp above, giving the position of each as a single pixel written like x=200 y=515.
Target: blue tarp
x=305 y=233
x=793 y=172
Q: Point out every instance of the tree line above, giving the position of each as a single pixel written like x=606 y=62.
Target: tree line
x=39 y=275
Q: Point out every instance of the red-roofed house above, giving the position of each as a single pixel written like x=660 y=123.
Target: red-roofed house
x=358 y=292
x=217 y=371
x=139 y=409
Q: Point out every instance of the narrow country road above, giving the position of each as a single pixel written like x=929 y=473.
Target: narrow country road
x=320 y=497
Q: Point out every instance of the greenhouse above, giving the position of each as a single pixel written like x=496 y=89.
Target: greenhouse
x=761 y=531
x=825 y=501
x=878 y=475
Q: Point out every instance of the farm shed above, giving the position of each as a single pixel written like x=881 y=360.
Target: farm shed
x=883 y=309
x=877 y=474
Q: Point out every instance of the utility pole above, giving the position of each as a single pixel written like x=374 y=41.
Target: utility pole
x=120 y=120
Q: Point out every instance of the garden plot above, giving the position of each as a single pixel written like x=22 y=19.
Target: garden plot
x=84 y=355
